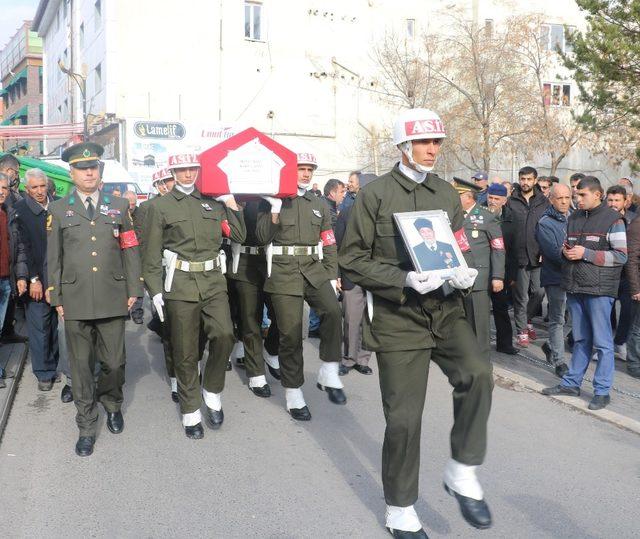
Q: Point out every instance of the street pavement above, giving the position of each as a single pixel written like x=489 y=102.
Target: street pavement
x=551 y=470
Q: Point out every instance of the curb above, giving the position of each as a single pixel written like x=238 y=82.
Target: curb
x=613 y=418
x=12 y=384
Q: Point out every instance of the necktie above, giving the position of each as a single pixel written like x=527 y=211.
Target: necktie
x=90 y=208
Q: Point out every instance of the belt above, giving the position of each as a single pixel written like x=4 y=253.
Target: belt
x=226 y=241
x=250 y=250
x=207 y=265
x=295 y=250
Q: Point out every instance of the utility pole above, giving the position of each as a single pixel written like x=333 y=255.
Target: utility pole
x=81 y=81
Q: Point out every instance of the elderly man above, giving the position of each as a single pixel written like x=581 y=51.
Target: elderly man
x=551 y=234
x=42 y=320
x=628 y=185
x=413 y=319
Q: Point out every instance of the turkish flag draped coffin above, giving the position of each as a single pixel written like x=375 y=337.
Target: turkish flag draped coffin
x=249 y=163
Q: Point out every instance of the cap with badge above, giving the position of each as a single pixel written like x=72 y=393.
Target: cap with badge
x=497 y=189
x=83 y=155
x=463 y=186
x=480 y=175
x=423 y=223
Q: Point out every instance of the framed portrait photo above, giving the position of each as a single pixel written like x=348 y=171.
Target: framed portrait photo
x=430 y=241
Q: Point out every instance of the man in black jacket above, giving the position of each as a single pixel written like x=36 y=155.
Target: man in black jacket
x=42 y=320
x=527 y=204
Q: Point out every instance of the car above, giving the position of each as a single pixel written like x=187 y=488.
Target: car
x=108 y=187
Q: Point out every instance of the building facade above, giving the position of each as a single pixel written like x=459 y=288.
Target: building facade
x=21 y=74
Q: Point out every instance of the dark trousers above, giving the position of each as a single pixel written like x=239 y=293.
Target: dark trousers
x=250 y=309
x=623 y=324
x=289 y=313
x=403 y=384
x=42 y=329
x=8 y=325
x=500 y=302
x=272 y=340
x=87 y=340
x=476 y=306
x=188 y=320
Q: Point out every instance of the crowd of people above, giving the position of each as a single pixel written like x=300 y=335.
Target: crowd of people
x=216 y=269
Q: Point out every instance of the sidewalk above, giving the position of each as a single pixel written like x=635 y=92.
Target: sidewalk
x=12 y=359
x=530 y=370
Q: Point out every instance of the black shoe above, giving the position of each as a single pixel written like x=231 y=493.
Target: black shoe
x=215 y=418
x=547 y=351
x=274 y=372
x=66 y=395
x=300 y=414
x=137 y=320
x=475 y=512
x=314 y=334
x=401 y=534
x=336 y=396
x=84 y=446
x=511 y=350
x=634 y=373
x=561 y=390
x=240 y=362
x=13 y=338
x=344 y=370
x=195 y=433
x=561 y=370
x=598 y=402
x=115 y=422
x=174 y=396
x=264 y=391
x=229 y=367
x=363 y=369
x=156 y=326
x=45 y=385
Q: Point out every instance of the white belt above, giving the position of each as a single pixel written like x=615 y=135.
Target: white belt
x=206 y=265
x=249 y=250
x=295 y=250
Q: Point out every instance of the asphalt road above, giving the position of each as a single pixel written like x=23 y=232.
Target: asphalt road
x=551 y=471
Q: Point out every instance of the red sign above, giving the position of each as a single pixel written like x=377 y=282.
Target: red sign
x=249 y=163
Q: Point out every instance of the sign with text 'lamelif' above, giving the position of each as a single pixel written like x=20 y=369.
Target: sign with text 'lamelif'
x=249 y=163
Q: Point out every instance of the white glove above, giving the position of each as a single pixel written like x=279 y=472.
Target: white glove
x=224 y=198
x=276 y=203
x=423 y=282
x=463 y=278
x=158 y=303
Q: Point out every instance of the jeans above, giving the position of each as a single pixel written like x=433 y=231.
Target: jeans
x=633 y=340
x=527 y=296
x=557 y=298
x=314 y=321
x=591 y=316
x=5 y=294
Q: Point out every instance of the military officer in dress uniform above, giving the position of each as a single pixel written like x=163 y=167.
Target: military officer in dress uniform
x=94 y=279
x=412 y=319
x=302 y=266
x=486 y=254
x=184 y=272
x=162 y=181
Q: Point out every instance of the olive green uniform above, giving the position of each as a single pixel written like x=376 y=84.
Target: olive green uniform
x=487 y=255
x=192 y=226
x=408 y=330
x=92 y=273
x=296 y=278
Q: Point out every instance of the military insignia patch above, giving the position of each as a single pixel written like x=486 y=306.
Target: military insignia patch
x=317 y=213
x=69 y=213
x=206 y=206
x=474 y=234
x=86 y=153
x=104 y=209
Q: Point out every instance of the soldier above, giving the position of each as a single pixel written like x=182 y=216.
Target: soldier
x=486 y=254
x=304 y=266
x=162 y=181
x=412 y=319
x=94 y=279
x=184 y=229
x=248 y=272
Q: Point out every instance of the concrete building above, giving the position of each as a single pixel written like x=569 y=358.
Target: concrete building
x=302 y=71
x=22 y=90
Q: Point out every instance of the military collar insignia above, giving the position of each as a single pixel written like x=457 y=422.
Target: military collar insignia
x=317 y=213
x=206 y=206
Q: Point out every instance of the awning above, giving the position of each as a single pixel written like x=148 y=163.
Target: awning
x=18 y=114
x=17 y=77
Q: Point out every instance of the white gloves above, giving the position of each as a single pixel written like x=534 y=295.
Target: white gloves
x=158 y=303
x=224 y=198
x=463 y=278
x=423 y=282
x=276 y=203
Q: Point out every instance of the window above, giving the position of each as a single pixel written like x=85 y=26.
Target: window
x=81 y=37
x=553 y=37
x=40 y=83
x=253 y=21
x=411 y=28
x=557 y=95
x=97 y=14
x=98 y=79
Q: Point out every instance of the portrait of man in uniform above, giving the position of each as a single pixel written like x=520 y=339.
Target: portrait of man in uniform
x=432 y=254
